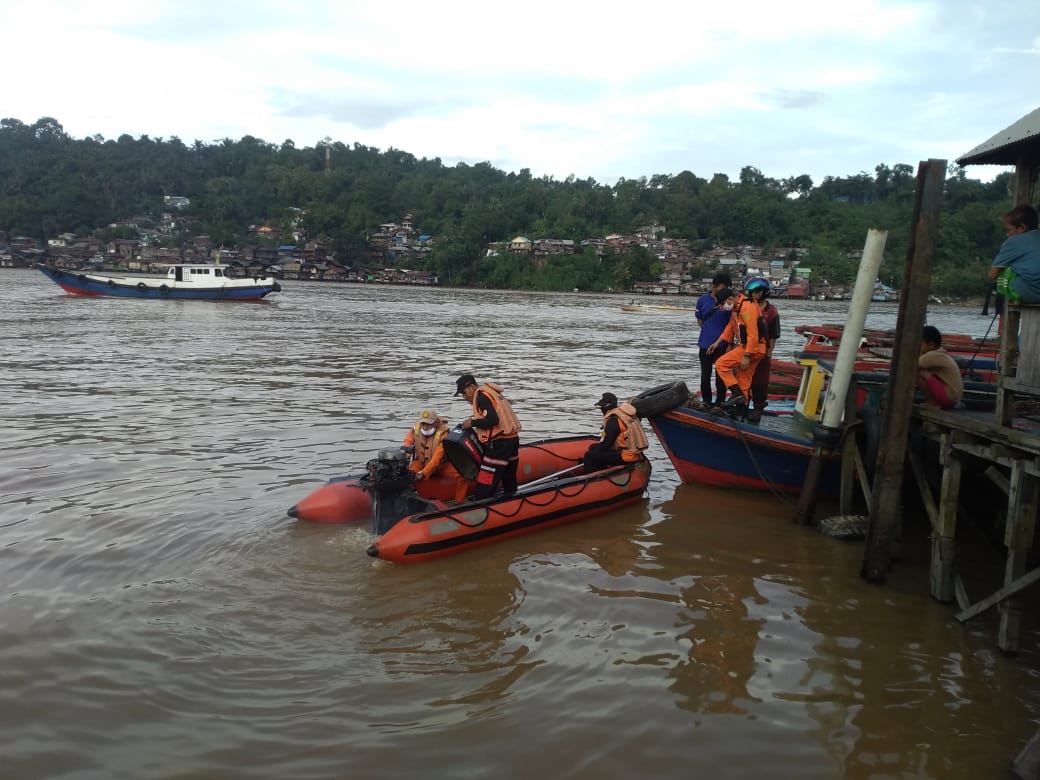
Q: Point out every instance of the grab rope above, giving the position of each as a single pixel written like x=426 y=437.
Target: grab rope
x=556 y=490
x=758 y=469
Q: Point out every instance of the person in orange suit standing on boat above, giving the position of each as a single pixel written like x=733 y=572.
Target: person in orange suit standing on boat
x=745 y=332
x=423 y=441
x=498 y=430
x=758 y=289
x=622 y=439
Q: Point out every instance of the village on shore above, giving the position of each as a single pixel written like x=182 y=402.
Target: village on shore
x=396 y=246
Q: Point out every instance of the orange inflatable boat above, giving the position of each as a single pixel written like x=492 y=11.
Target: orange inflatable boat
x=345 y=499
x=542 y=503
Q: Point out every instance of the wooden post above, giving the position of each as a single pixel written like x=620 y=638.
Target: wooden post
x=1008 y=364
x=1023 y=502
x=944 y=550
x=848 y=453
x=913 y=300
x=827 y=434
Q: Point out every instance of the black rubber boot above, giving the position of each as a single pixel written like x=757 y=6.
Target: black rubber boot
x=736 y=398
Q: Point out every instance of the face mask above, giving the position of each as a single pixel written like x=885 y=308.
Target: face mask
x=727 y=306
x=427 y=430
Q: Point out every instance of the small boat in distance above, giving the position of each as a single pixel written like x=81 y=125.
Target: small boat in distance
x=656 y=308
x=183 y=281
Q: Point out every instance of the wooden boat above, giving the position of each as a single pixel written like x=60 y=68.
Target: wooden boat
x=652 y=308
x=345 y=500
x=968 y=351
x=183 y=281
x=443 y=530
x=713 y=449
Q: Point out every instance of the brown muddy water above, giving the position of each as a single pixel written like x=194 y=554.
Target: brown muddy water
x=162 y=617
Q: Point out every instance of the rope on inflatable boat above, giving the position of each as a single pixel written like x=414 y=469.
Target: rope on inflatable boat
x=581 y=487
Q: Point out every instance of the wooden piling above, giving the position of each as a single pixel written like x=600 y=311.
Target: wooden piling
x=913 y=300
x=943 y=569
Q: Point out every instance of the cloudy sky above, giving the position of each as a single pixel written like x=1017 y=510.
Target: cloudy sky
x=599 y=89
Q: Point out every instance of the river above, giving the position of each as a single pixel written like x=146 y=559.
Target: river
x=162 y=617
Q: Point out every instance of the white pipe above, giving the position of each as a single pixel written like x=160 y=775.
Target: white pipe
x=845 y=363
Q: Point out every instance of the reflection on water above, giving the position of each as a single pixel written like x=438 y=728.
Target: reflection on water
x=162 y=617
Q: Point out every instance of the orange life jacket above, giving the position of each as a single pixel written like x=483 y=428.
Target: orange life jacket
x=508 y=426
x=747 y=327
x=428 y=452
x=631 y=439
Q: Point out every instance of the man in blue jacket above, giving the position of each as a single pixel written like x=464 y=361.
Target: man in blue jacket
x=712 y=320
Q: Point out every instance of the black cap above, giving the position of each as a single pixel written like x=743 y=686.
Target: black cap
x=463 y=382
x=608 y=401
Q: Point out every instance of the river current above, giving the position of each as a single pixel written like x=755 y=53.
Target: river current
x=162 y=617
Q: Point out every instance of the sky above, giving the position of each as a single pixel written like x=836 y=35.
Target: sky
x=603 y=90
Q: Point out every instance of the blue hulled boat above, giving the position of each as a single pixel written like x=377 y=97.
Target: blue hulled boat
x=183 y=281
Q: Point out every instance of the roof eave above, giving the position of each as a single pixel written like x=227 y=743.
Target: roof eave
x=1005 y=147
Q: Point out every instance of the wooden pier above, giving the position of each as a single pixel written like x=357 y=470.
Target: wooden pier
x=1010 y=442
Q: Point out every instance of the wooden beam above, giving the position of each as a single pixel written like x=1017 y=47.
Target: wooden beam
x=944 y=548
x=960 y=592
x=917 y=469
x=998 y=478
x=1023 y=502
x=864 y=480
x=913 y=301
x=995 y=598
x=1020 y=441
x=848 y=452
x=1008 y=365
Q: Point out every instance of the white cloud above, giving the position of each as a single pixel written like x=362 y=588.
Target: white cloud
x=602 y=89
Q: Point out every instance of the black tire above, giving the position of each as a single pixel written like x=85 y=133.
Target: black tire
x=276 y=287
x=142 y=286
x=111 y=282
x=661 y=399
x=82 y=277
x=164 y=289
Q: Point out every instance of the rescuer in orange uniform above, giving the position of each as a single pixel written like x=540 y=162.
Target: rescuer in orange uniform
x=746 y=332
x=423 y=440
x=622 y=439
x=498 y=430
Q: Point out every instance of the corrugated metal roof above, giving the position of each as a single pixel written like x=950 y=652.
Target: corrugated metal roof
x=1004 y=147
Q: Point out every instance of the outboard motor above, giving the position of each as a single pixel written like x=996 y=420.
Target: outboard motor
x=389 y=481
x=387 y=478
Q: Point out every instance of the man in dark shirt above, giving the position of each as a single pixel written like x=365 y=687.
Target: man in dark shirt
x=603 y=453
x=760 y=381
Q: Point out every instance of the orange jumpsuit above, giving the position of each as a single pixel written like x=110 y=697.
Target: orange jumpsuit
x=746 y=323
x=429 y=463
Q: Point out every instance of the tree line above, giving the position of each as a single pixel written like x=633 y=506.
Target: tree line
x=51 y=183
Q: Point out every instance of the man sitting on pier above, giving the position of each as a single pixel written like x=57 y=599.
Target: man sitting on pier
x=938 y=375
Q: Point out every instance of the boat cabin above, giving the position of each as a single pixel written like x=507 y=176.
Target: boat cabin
x=196 y=273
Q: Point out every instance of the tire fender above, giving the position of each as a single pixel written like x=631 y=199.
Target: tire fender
x=661 y=399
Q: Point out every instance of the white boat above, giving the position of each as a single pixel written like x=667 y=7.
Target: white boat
x=183 y=281
x=656 y=308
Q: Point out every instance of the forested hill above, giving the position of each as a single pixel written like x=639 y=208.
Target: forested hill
x=52 y=183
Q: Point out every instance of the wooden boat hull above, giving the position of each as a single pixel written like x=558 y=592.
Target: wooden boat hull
x=649 y=308
x=344 y=500
x=712 y=449
x=118 y=286
x=448 y=530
